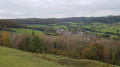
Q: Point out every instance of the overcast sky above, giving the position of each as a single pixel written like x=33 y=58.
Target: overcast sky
x=58 y=8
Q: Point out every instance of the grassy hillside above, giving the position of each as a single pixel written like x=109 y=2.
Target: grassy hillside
x=26 y=31
x=15 y=58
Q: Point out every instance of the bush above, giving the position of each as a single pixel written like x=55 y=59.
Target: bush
x=94 y=51
x=118 y=63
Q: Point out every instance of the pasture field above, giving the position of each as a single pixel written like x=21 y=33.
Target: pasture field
x=26 y=31
x=10 y=57
x=61 y=26
x=16 y=58
x=36 y=25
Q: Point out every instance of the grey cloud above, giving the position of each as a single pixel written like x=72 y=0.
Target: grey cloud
x=57 y=8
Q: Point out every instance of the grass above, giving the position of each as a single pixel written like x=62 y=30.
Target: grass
x=15 y=58
x=61 y=26
x=36 y=25
x=84 y=63
x=26 y=31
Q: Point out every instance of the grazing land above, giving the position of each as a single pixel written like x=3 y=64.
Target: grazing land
x=37 y=25
x=15 y=58
x=26 y=31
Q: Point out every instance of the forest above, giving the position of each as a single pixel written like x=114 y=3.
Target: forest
x=108 y=19
x=35 y=21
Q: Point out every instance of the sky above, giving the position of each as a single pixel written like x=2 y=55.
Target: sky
x=58 y=8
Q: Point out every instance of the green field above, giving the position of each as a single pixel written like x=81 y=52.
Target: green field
x=99 y=28
x=36 y=25
x=60 y=26
x=15 y=58
x=54 y=25
x=26 y=31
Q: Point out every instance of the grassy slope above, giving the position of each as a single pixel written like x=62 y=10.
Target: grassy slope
x=26 y=31
x=15 y=58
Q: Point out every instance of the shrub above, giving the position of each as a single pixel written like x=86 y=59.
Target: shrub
x=118 y=63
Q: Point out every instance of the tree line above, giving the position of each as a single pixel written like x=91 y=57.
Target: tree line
x=108 y=19
x=5 y=24
x=35 y=21
x=105 y=50
x=9 y=23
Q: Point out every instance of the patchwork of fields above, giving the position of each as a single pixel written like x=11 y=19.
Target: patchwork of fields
x=110 y=30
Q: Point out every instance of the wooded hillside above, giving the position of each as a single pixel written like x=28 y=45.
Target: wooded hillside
x=108 y=19
x=36 y=21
